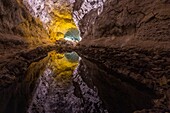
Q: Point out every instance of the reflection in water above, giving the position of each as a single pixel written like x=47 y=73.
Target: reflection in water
x=64 y=83
x=118 y=96
x=61 y=90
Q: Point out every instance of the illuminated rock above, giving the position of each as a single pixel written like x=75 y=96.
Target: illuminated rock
x=86 y=7
x=55 y=15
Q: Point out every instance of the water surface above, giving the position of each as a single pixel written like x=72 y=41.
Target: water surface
x=66 y=83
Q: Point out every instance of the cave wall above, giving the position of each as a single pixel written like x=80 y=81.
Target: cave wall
x=56 y=16
x=17 y=25
x=145 y=20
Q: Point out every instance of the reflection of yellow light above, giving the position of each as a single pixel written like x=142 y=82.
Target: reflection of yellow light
x=60 y=66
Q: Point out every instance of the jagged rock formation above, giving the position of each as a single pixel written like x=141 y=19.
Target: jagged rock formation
x=132 y=38
x=55 y=15
x=81 y=8
x=143 y=20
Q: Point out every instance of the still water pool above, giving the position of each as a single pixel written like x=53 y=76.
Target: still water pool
x=66 y=83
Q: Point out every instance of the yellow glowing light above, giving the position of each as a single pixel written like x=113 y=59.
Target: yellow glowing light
x=62 y=20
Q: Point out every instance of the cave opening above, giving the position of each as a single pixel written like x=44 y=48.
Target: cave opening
x=73 y=35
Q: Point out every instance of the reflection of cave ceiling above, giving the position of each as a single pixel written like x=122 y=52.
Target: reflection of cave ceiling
x=60 y=89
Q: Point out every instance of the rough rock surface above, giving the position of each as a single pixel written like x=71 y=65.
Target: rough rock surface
x=55 y=15
x=132 y=38
x=82 y=7
x=146 y=20
x=20 y=34
x=16 y=20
